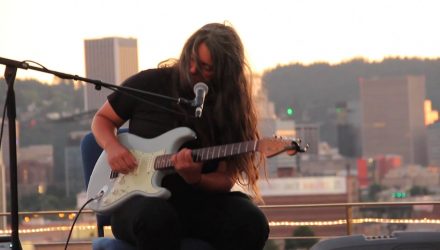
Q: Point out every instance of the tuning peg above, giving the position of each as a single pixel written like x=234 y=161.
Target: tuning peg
x=305 y=148
x=298 y=140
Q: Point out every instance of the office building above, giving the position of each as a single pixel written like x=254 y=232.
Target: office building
x=74 y=179
x=392 y=110
x=309 y=134
x=347 y=128
x=110 y=60
x=264 y=107
x=434 y=144
x=36 y=169
x=308 y=190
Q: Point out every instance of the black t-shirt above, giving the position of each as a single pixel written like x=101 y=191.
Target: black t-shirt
x=149 y=120
x=151 y=116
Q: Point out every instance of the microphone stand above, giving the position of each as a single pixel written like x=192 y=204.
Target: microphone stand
x=10 y=73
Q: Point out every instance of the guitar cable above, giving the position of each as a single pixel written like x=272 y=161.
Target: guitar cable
x=97 y=196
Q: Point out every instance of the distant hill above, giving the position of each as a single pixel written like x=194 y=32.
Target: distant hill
x=35 y=101
x=313 y=90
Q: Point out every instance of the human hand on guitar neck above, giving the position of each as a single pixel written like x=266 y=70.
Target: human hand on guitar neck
x=184 y=165
x=122 y=161
x=221 y=180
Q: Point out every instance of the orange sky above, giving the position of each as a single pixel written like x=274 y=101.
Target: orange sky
x=274 y=32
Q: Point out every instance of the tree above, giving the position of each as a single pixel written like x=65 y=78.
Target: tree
x=373 y=190
x=301 y=231
x=418 y=190
x=53 y=199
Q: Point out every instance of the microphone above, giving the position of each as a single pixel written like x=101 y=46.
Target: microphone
x=200 y=89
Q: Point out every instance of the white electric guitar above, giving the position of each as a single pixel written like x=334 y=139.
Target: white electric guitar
x=111 y=189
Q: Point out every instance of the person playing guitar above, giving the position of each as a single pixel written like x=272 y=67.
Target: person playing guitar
x=201 y=204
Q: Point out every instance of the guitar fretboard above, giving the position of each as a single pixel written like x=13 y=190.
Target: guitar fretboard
x=163 y=162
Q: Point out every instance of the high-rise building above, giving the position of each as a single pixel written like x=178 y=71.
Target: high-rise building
x=266 y=118
x=74 y=179
x=309 y=134
x=392 y=110
x=373 y=170
x=307 y=190
x=110 y=60
x=434 y=144
x=264 y=107
x=347 y=128
x=36 y=169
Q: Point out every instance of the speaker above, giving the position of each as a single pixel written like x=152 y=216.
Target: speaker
x=399 y=240
x=5 y=242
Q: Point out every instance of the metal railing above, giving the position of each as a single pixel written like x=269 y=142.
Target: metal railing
x=349 y=208
x=348 y=220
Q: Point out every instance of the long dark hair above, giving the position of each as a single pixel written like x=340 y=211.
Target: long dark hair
x=231 y=116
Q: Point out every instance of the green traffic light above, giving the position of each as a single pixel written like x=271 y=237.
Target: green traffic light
x=399 y=195
x=289 y=111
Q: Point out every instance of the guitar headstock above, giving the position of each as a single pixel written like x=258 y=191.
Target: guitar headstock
x=273 y=146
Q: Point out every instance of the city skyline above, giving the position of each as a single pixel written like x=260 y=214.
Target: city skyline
x=52 y=32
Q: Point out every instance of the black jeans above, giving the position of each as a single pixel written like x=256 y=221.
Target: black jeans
x=228 y=221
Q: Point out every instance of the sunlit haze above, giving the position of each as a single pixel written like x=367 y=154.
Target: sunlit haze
x=274 y=32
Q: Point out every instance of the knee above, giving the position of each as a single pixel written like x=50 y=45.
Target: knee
x=157 y=227
x=247 y=231
x=244 y=215
x=256 y=226
x=256 y=231
x=147 y=222
x=158 y=216
x=250 y=225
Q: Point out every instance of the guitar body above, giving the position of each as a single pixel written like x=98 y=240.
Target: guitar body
x=145 y=180
x=110 y=190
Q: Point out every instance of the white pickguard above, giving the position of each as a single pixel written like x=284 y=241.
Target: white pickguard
x=144 y=180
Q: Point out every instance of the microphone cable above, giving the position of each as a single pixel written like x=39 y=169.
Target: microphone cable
x=98 y=196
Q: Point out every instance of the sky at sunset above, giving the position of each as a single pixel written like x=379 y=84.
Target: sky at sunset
x=52 y=32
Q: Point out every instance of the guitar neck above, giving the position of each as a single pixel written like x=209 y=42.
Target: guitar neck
x=163 y=162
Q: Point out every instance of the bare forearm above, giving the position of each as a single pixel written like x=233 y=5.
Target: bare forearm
x=104 y=126
x=104 y=131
